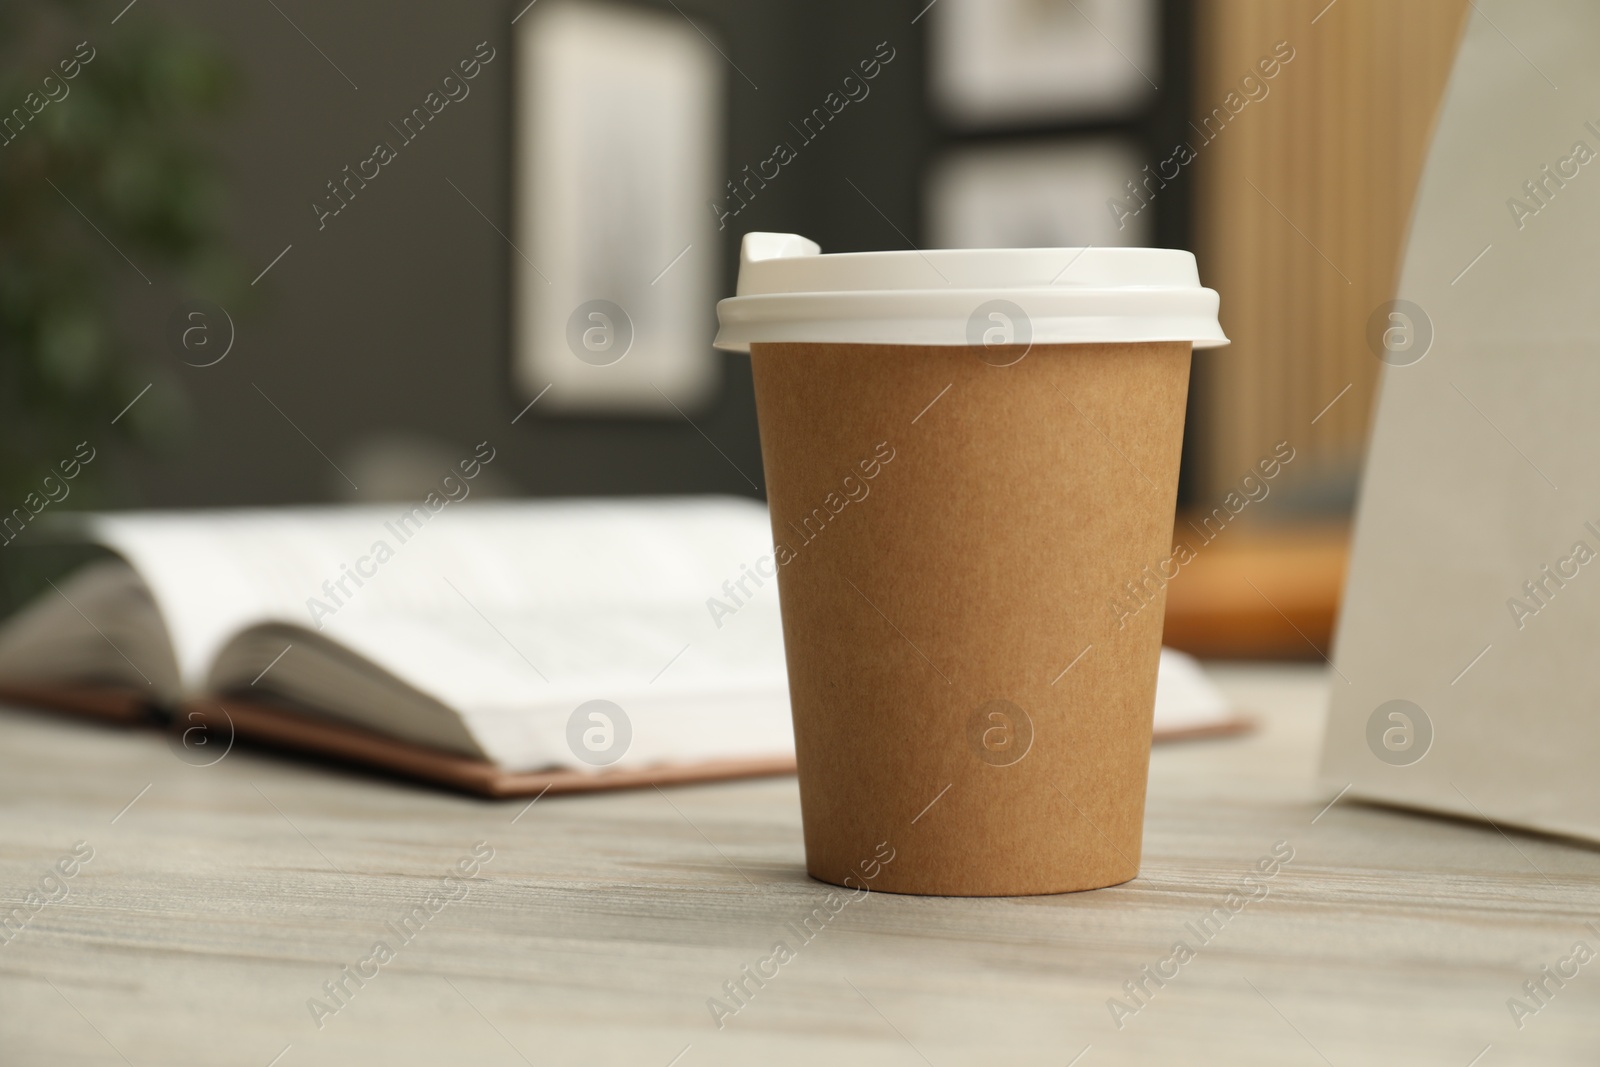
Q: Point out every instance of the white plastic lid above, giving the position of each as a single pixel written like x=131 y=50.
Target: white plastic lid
x=789 y=291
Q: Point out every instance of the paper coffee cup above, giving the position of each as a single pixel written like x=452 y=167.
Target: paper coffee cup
x=971 y=460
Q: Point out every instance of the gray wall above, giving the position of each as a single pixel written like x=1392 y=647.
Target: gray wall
x=394 y=319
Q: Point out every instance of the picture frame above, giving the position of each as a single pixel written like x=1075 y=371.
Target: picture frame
x=618 y=134
x=1052 y=194
x=1017 y=62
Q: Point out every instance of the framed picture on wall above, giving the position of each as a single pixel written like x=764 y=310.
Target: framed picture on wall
x=618 y=134
x=1067 y=194
x=1013 y=62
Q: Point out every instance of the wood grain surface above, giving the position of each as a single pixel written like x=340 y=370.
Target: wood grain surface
x=220 y=899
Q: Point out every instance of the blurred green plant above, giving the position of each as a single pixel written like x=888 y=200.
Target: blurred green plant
x=119 y=148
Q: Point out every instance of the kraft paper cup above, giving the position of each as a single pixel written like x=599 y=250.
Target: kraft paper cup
x=953 y=524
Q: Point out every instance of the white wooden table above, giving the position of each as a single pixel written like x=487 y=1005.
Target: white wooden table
x=220 y=901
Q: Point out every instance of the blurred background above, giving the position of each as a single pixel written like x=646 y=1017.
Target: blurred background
x=271 y=251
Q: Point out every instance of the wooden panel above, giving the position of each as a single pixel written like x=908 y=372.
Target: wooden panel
x=1266 y=593
x=1301 y=209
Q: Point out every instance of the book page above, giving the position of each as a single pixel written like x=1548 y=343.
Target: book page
x=510 y=613
x=1186 y=700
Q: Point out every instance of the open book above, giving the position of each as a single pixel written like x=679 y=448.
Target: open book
x=503 y=648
